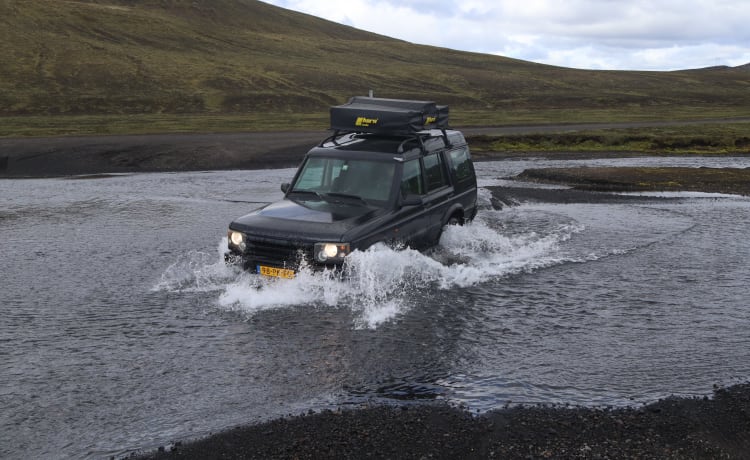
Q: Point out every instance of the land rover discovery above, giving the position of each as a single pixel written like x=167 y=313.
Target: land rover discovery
x=391 y=172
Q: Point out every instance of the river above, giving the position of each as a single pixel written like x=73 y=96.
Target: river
x=122 y=329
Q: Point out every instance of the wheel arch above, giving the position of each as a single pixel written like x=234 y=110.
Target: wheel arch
x=454 y=211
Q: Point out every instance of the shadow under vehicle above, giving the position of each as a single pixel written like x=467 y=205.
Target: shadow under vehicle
x=391 y=172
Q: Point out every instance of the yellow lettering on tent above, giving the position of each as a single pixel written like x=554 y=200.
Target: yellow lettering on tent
x=365 y=122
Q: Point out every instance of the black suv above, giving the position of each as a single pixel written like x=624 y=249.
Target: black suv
x=391 y=172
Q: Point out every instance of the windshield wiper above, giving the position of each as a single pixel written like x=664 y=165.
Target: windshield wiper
x=308 y=192
x=344 y=195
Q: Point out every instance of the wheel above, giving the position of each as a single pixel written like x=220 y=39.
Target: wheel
x=455 y=220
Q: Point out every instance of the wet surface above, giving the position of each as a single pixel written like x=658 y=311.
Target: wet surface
x=122 y=329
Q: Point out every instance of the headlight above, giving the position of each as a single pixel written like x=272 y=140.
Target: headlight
x=331 y=252
x=236 y=239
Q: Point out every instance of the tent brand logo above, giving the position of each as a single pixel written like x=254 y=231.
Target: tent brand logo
x=430 y=120
x=366 y=122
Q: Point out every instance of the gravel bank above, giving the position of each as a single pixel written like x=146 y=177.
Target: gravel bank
x=64 y=156
x=673 y=428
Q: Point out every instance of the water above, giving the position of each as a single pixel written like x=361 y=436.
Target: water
x=121 y=328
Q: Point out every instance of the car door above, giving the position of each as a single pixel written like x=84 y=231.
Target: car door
x=463 y=178
x=410 y=224
x=439 y=192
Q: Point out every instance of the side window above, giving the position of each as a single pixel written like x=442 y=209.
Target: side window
x=411 y=180
x=434 y=171
x=460 y=163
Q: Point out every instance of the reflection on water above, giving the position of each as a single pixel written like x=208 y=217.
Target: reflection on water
x=123 y=329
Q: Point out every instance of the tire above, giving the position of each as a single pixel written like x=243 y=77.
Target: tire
x=455 y=220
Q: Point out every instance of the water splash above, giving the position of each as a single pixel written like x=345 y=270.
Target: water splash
x=197 y=272
x=377 y=284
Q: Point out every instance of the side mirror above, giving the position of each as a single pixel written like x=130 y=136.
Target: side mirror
x=412 y=200
x=285 y=187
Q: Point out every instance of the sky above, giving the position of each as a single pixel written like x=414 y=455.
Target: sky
x=583 y=34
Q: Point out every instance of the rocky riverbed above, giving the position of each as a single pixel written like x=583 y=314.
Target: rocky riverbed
x=673 y=428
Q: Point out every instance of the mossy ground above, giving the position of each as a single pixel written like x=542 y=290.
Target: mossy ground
x=636 y=179
x=730 y=138
x=153 y=66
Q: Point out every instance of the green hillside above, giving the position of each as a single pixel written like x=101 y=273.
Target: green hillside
x=170 y=65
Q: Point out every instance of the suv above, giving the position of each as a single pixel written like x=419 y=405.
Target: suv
x=391 y=172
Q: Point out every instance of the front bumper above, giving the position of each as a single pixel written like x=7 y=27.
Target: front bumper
x=253 y=261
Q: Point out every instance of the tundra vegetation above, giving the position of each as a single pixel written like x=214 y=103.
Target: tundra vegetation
x=124 y=67
x=734 y=181
x=732 y=138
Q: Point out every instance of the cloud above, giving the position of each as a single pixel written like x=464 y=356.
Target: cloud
x=592 y=34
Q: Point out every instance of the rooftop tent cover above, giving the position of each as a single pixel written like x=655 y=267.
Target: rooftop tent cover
x=376 y=115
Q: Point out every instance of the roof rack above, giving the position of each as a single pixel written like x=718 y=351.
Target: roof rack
x=388 y=116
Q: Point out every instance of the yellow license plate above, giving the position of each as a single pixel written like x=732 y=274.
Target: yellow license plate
x=275 y=272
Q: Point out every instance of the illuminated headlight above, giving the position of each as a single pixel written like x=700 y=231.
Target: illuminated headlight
x=236 y=239
x=331 y=252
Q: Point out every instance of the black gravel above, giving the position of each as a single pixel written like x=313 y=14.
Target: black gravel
x=673 y=428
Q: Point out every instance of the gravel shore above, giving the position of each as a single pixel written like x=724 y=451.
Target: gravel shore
x=65 y=156
x=673 y=428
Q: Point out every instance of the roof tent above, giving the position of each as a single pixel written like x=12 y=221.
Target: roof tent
x=388 y=116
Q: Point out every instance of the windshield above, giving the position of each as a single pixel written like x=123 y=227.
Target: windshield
x=331 y=178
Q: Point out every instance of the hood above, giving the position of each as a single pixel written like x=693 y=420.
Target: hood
x=305 y=220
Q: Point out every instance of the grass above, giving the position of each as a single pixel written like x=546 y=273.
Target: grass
x=634 y=179
x=713 y=138
x=86 y=125
x=610 y=139
x=573 y=115
x=118 y=66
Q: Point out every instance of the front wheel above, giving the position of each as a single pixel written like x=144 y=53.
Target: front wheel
x=453 y=220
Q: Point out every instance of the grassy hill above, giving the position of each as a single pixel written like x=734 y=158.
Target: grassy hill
x=115 y=66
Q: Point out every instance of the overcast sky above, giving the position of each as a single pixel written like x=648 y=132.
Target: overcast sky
x=584 y=34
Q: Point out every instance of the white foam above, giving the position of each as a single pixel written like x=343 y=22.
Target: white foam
x=196 y=272
x=377 y=284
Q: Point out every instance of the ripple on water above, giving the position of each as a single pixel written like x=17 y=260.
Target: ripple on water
x=116 y=300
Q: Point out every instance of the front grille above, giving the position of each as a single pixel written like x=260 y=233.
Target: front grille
x=278 y=254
